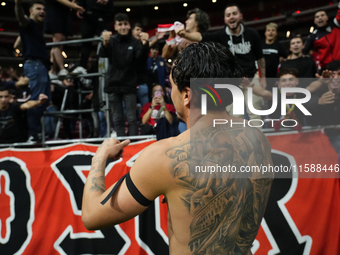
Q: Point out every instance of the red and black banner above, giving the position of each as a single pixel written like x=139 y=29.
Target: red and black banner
x=41 y=195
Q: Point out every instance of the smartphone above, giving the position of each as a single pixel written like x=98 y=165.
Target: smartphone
x=158 y=93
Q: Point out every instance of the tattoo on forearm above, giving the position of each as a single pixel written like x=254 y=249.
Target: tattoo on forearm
x=226 y=210
x=262 y=66
x=98 y=184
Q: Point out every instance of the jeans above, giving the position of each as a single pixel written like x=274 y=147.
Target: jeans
x=39 y=84
x=116 y=100
x=143 y=94
x=50 y=121
x=182 y=127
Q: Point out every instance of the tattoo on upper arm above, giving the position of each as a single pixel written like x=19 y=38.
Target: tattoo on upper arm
x=227 y=208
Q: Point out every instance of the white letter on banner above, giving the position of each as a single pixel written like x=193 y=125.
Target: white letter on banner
x=238 y=98
x=297 y=101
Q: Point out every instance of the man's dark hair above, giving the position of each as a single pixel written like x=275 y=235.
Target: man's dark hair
x=334 y=65
x=320 y=10
x=155 y=46
x=201 y=18
x=298 y=36
x=2 y=88
x=121 y=17
x=206 y=60
x=137 y=25
x=36 y=2
x=230 y=5
x=13 y=92
x=291 y=71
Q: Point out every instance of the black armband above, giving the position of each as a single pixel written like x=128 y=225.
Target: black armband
x=133 y=191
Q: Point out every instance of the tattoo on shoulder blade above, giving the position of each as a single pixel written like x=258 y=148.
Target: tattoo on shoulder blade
x=226 y=208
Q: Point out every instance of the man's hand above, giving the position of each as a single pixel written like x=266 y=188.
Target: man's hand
x=76 y=7
x=327 y=98
x=102 y=2
x=42 y=98
x=154 y=102
x=160 y=35
x=144 y=37
x=172 y=34
x=80 y=14
x=106 y=37
x=23 y=81
x=325 y=76
x=246 y=83
x=112 y=148
x=181 y=32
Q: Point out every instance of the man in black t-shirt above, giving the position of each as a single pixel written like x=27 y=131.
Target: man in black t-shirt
x=245 y=44
x=304 y=64
x=36 y=59
x=12 y=129
x=273 y=53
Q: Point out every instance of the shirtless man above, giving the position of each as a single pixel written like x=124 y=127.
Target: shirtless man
x=197 y=21
x=208 y=213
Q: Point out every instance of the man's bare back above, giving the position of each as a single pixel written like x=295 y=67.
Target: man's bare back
x=215 y=213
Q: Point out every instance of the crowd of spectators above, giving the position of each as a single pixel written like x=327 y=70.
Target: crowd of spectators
x=138 y=68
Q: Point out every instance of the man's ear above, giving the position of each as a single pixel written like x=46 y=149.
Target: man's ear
x=187 y=95
x=297 y=81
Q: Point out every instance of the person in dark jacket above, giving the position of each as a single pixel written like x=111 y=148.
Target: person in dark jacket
x=156 y=67
x=123 y=52
x=324 y=39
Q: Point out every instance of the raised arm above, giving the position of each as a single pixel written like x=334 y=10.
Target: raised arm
x=20 y=14
x=337 y=17
x=258 y=91
x=17 y=44
x=34 y=103
x=169 y=50
x=194 y=36
x=261 y=63
x=72 y=5
x=122 y=205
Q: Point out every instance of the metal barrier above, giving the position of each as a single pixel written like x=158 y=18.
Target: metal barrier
x=68 y=113
x=266 y=131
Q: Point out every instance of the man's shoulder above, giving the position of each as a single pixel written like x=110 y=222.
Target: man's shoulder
x=157 y=156
x=30 y=24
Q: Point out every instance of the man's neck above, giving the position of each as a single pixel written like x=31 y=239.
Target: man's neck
x=237 y=31
x=295 y=56
x=270 y=41
x=4 y=108
x=35 y=20
x=196 y=116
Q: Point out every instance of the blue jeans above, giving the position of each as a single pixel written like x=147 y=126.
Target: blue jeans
x=143 y=94
x=39 y=82
x=116 y=100
x=50 y=121
x=182 y=127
